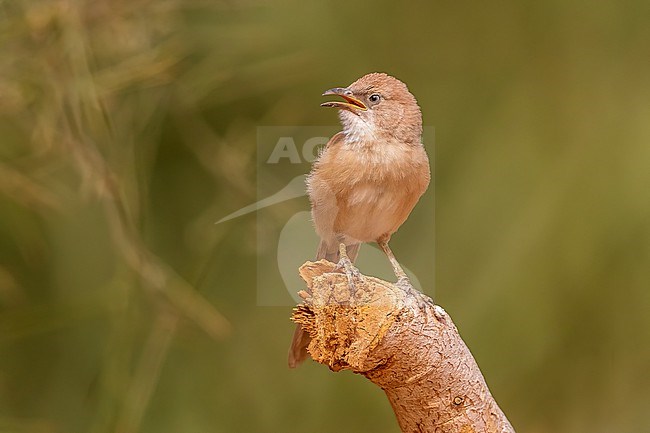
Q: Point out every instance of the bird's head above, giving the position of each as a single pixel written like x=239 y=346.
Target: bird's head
x=378 y=107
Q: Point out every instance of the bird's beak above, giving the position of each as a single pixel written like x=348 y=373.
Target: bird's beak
x=351 y=103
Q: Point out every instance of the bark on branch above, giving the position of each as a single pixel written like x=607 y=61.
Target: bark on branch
x=409 y=348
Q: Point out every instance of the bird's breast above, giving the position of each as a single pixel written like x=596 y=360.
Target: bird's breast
x=366 y=194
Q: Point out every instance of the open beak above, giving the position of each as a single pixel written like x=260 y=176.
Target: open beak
x=351 y=103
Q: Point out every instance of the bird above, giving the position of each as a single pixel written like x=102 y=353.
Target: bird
x=368 y=177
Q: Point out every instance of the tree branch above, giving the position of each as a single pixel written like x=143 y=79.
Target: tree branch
x=409 y=348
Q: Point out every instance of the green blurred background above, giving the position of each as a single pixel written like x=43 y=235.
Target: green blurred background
x=129 y=127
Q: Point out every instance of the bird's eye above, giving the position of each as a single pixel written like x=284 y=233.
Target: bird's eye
x=374 y=98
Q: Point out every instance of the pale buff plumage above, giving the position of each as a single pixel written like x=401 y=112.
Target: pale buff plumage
x=369 y=177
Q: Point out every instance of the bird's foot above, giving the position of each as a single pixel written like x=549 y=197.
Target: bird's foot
x=351 y=272
x=423 y=301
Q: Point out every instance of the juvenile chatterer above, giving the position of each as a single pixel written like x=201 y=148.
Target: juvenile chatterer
x=368 y=178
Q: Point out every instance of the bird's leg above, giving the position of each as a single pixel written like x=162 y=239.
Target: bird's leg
x=397 y=269
x=345 y=264
x=403 y=281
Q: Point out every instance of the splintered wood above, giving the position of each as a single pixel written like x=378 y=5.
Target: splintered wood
x=409 y=348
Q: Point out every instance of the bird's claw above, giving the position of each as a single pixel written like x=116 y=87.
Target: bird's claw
x=351 y=272
x=423 y=301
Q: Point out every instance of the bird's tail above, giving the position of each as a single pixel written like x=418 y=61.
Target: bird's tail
x=298 y=350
